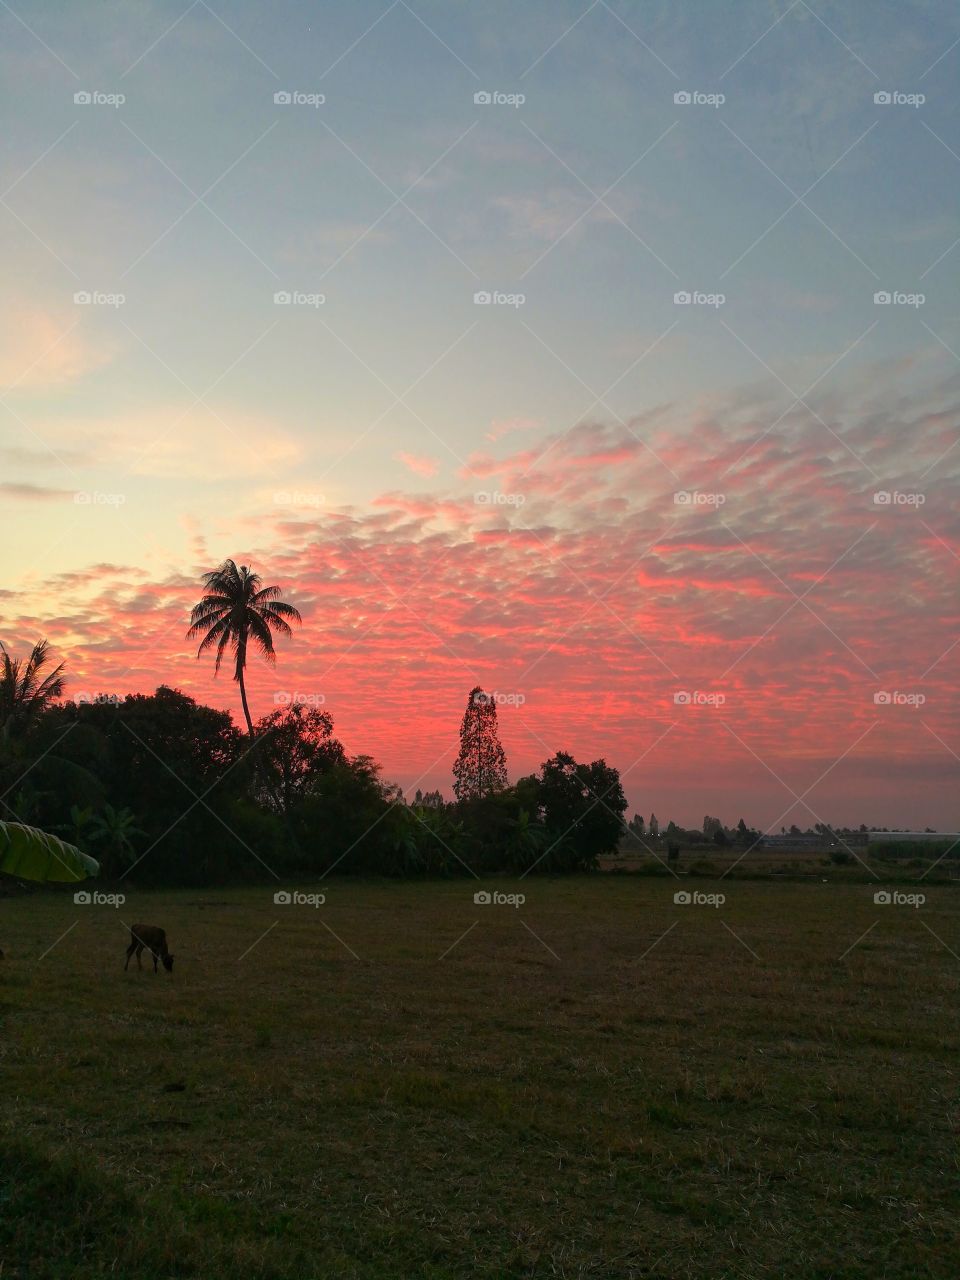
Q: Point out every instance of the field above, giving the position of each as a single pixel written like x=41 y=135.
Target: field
x=401 y=1083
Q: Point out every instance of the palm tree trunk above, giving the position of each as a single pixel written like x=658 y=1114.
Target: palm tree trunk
x=243 y=699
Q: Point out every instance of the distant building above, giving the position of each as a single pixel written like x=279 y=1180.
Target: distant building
x=912 y=837
x=793 y=842
x=819 y=840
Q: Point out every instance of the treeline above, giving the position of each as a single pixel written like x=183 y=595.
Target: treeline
x=166 y=791
x=641 y=832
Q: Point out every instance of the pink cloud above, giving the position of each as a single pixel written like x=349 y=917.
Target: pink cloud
x=600 y=599
x=420 y=466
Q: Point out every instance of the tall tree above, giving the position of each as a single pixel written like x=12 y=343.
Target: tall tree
x=25 y=689
x=481 y=767
x=234 y=610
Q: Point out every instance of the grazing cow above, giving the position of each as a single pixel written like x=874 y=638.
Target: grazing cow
x=155 y=940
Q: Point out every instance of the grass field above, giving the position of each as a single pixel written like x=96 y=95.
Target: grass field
x=599 y=1083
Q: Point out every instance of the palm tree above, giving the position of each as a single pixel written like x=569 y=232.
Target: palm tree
x=235 y=610
x=25 y=691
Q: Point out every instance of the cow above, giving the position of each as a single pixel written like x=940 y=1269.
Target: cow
x=155 y=940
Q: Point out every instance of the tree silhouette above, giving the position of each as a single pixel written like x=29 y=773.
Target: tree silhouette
x=481 y=767
x=25 y=691
x=117 y=829
x=235 y=610
x=582 y=807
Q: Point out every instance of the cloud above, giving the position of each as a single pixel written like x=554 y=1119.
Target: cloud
x=40 y=348
x=548 y=214
x=420 y=466
x=180 y=441
x=18 y=457
x=581 y=583
x=35 y=492
x=501 y=427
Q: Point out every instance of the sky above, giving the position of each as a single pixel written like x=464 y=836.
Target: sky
x=601 y=354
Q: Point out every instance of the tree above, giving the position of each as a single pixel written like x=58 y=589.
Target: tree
x=36 y=773
x=351 y=819
x=481 y=767
x=173 y=763
x=582 y=807
x=25 y=692
x=116 y=828
x=78 y=827
x=235 y=610
x=428 y=800
x=295 y=746
x=525 y=840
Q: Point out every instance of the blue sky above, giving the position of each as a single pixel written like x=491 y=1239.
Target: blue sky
x=507 y=207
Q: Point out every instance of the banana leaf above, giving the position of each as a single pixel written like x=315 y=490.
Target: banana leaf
x=33 y=854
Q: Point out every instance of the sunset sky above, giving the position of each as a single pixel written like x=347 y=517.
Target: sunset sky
x=455 y=493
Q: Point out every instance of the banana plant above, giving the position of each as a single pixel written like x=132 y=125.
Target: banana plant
x=116 y=828
x=32 y=854
x=80 y=819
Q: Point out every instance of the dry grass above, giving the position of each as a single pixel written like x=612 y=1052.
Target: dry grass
x=733 y=1100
